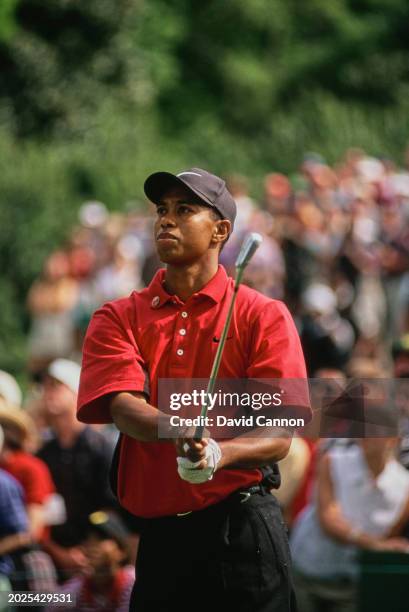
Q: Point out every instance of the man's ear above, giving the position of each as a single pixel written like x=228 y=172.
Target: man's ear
x=221 y=231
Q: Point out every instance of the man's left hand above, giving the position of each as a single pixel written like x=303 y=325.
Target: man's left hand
x=199 y=460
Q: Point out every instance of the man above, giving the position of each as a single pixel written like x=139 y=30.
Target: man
x=78 y=458
x=14 y=530
x=32 y=473
x=210 y=534
x=107 y=584
x=400 y=356
x=361 y=502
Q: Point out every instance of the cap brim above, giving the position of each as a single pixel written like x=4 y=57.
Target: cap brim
x=158 y=183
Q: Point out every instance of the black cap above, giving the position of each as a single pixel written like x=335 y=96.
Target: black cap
x=209 y=188
x=108 y=526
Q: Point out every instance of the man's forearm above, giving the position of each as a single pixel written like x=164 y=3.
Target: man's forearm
x=12 y=542
x=253 y=450
x=135 y=417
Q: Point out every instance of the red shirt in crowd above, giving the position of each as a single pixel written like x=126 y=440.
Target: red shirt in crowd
x=133 y=342
x=32 y=473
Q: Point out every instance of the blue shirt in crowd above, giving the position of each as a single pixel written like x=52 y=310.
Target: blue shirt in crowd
x=13 y=516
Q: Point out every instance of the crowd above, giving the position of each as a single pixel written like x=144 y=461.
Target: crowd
x=336 y=250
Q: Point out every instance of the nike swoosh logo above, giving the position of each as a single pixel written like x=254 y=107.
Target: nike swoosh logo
x=215 y=339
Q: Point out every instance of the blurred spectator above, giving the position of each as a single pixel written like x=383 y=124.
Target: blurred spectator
x=326 y=337
x=79 y=459
x=109 y=578
x=123 y=274
x=266 y=270
x=277 y=194
x=238 y=187
x=327 y=382
x=293 y=470
x=400 y=355
x=361 y=501
x=51 y=300
x=394 y=258
x=32 y=473
x=93 y=214
x=29 y=567
x=13 y=527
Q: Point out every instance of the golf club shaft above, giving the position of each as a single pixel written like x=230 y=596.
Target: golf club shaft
x=246 y=252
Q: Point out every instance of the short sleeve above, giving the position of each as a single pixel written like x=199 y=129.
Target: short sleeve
x=33 y=475
x=13 y=517
x=111 y=362
x=38 y=484
x=276 y=353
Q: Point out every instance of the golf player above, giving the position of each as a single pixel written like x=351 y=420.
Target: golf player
x=212 y=536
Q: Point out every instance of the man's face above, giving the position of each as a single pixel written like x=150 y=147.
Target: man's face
x=185 y=230
x=104 y=555
x=58 y=399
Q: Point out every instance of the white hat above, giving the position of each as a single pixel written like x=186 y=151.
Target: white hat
x=370 y=169
x=9 y=389
x=93 y=214
x=67 y=372
x=320 y=298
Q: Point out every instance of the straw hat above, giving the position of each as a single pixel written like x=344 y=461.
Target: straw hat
x=18 y=419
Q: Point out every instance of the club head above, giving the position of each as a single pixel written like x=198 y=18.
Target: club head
x=250 y=246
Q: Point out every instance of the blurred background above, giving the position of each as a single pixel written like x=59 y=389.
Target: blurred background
x=302 y=107
x=95 y=95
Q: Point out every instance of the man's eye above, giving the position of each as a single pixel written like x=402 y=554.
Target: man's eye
x=161 y=210
x=184 y=209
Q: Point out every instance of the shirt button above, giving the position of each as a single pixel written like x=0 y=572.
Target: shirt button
x=184 y=314
x=179 y=352
x=155 y=301
x=182 y=332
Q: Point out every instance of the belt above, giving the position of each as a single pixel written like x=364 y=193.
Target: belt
x=241 y=496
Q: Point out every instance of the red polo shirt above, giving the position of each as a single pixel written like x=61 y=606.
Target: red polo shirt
x=133 y=342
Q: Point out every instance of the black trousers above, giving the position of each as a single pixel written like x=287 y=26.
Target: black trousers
x=231 y=556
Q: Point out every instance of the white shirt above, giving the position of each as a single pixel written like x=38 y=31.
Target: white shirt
x=372 y=505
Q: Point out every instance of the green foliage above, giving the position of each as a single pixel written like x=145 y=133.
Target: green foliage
x=95 y=95
x=65 y=56
x=7 y=19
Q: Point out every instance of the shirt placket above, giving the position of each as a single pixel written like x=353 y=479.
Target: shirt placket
x=181 y=338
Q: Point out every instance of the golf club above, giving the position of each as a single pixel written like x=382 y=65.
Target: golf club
x=249 y=247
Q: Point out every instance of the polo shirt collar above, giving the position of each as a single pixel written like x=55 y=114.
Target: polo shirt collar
x=214 y=289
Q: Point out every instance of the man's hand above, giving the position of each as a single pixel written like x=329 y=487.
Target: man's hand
x=196 y=472
x=393 y=544
x=71 y=560
x=198 y=459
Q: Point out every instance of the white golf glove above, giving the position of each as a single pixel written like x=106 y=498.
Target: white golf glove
x=187 y=470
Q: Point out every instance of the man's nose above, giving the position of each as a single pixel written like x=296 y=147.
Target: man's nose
x=167 y=220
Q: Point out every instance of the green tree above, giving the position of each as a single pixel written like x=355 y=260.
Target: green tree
x=64 y=57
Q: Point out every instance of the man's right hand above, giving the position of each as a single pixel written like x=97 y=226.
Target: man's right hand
x=190 y=448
